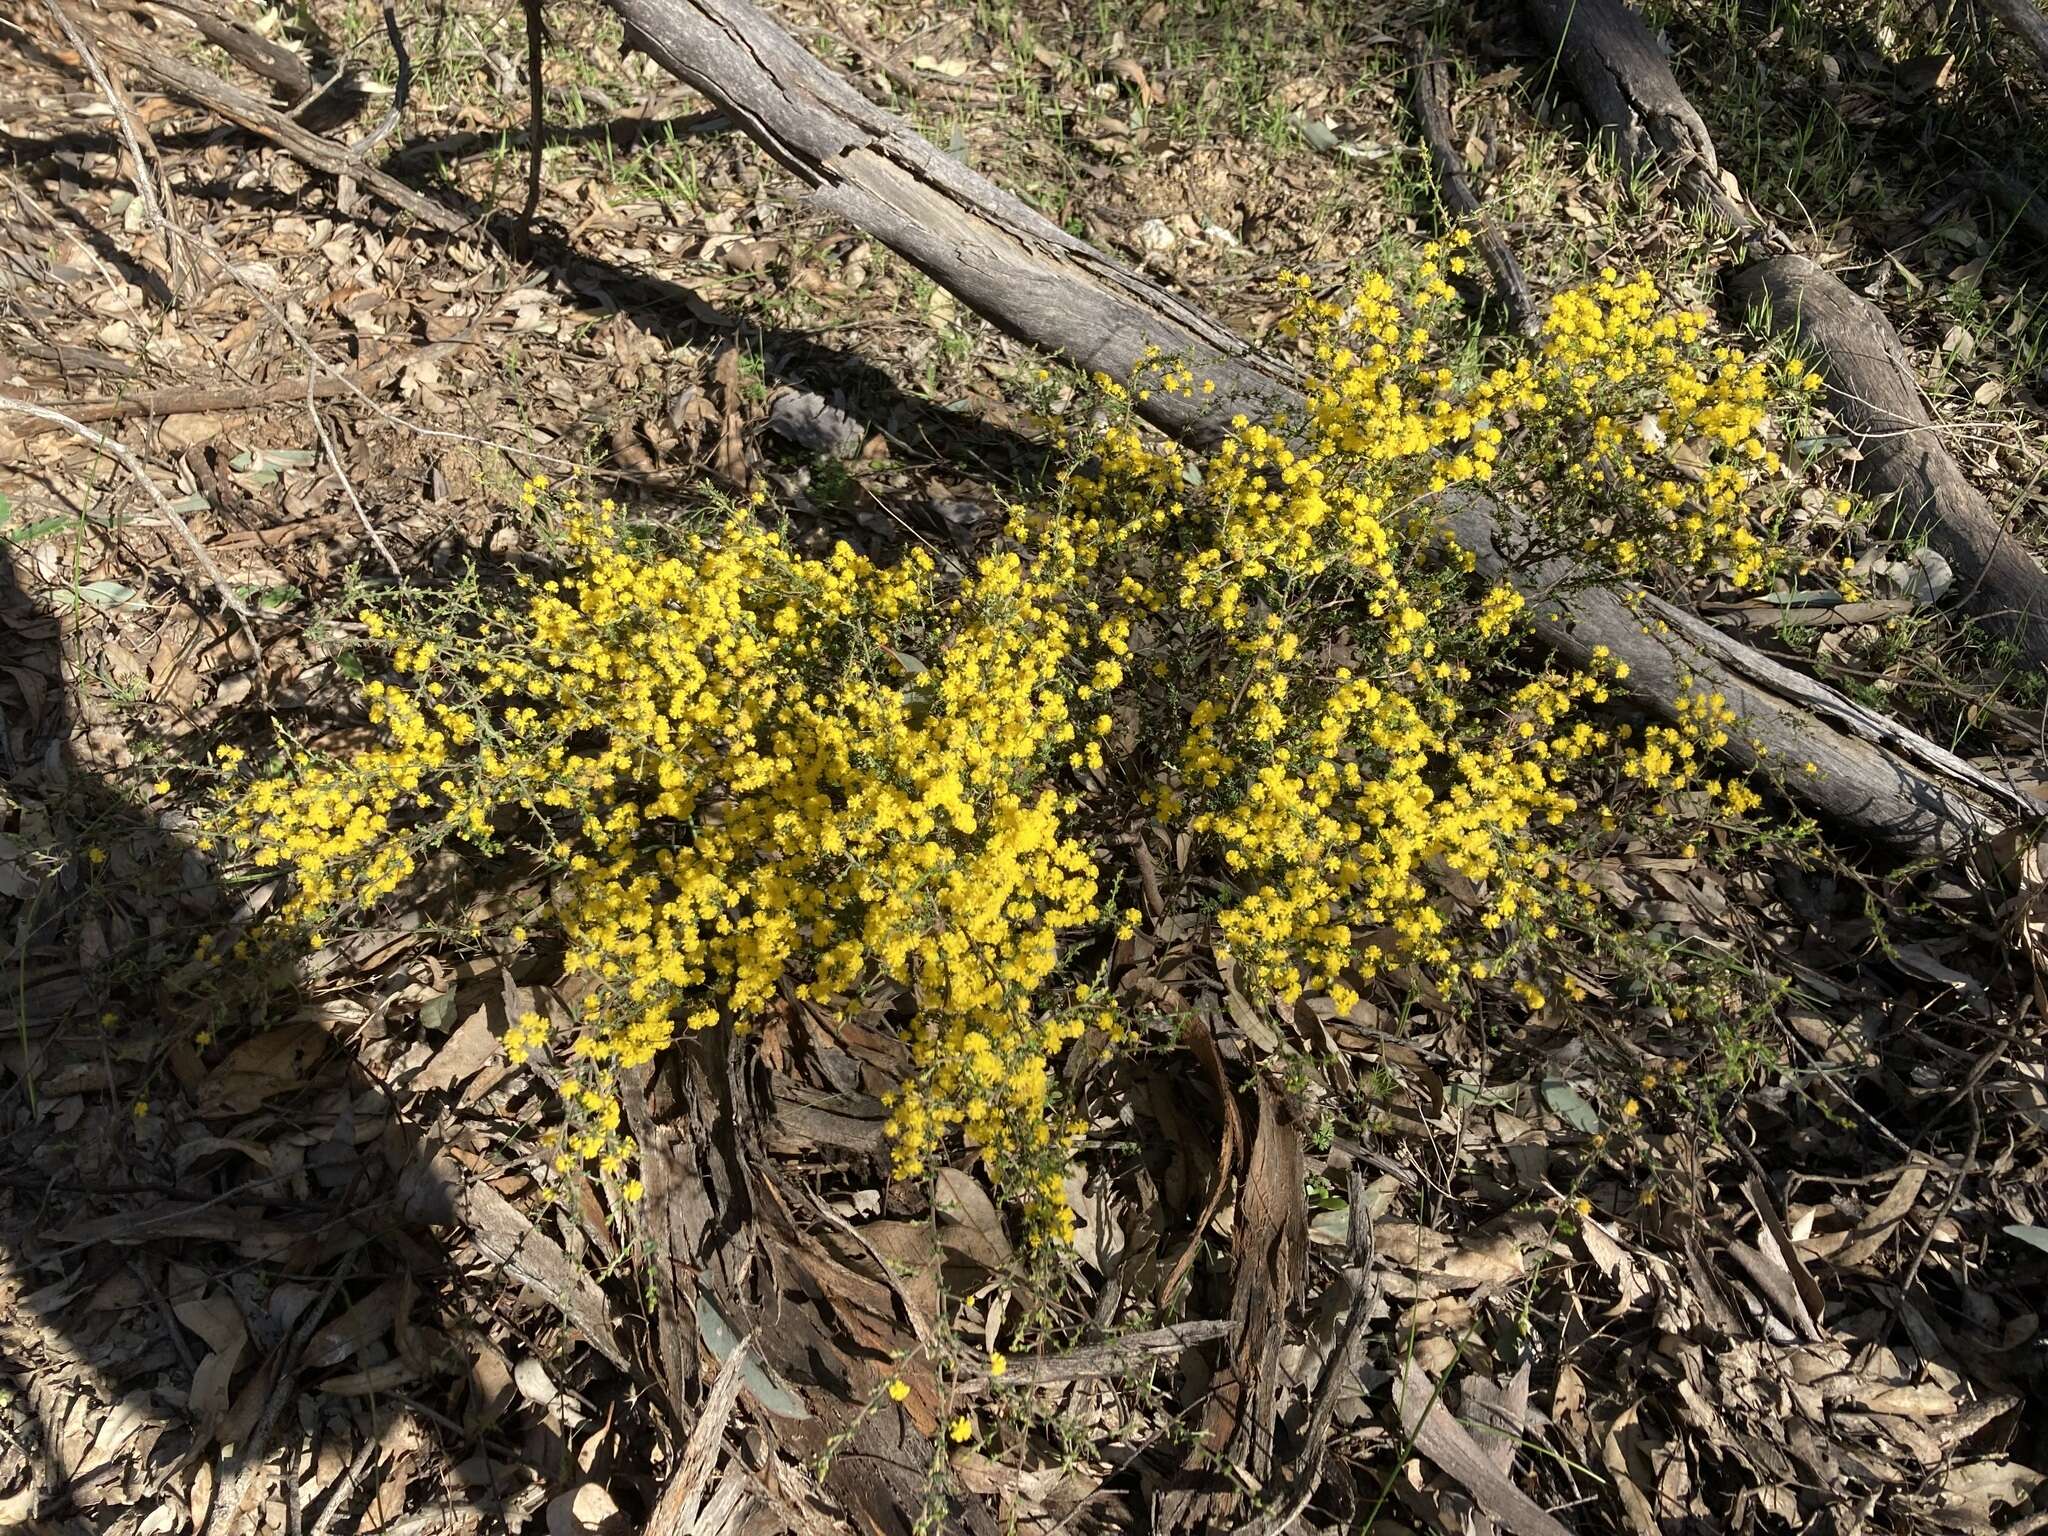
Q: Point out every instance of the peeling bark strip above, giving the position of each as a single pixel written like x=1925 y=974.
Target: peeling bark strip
x=1870 y=385
x=1057 y=293
x=1618 y=71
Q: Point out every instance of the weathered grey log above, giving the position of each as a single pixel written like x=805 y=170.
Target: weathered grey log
x=1619 y=72
x=292 y=75
x=1001 y=257
x=1039 y=283
x=2024 y=19
x=1610 y=57
x=1870 y=385
x=1849 y=763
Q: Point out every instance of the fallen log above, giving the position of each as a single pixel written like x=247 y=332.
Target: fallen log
x=1871 y=387
x=1039 y=283
x=256 y=53
x=1844 y=761
x=1609 y=55
x=1618 y=71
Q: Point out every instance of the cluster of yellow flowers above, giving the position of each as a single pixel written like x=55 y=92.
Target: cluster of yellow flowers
x=747 y=768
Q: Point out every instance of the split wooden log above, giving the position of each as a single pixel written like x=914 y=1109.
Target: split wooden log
x=1871 y=387
x=1609 y=55
x=1044 y=286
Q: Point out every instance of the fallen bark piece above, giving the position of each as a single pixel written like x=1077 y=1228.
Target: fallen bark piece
x=1433 y=1431
x=1042 y=285
x=1269 y=1256
x=436 y=1190
x=1870 y=385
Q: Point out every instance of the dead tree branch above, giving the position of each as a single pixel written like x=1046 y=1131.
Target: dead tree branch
x=202 y=88
x=1058 y=293
x=1610 y=56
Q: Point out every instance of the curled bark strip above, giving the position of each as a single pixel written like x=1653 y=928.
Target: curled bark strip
x=1871 y=386
x=1432 y=92
x=1057 y=293
x=1619 y=72
x=1269 y=1257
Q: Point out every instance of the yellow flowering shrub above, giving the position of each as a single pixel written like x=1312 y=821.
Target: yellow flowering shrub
x=746 y=768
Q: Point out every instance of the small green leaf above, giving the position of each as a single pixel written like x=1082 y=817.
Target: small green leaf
x=98 y=594
x=42 y=527
x=1567 y=1104
x=722 y=1339
x=2038 y=1236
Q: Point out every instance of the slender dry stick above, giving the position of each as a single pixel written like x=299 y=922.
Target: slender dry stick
x=536 y=113
x=145 y=167
x=1432 y=102
x=140 y=475
x=403 y=90
x=348 y=489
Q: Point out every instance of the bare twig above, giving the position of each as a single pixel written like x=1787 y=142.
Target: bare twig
x=124 y=116
x=337 y=1495
x=233 y=1488
x=536 y=113
x=152 y=188
x=153 y=403
x=348 y=489
x=133 y=465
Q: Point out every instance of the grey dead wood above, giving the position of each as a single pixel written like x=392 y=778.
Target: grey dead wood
x=1616 y=68
x=1607 y=53
x=188 y=83
x=1037 y=282
x=1872 y=389
x=1430 y=90
x=2027 y=23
